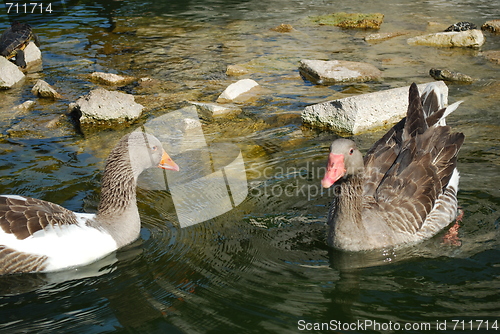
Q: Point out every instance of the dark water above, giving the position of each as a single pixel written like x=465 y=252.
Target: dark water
x=264 y=265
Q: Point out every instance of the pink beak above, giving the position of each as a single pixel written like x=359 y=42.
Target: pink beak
x=335 y=169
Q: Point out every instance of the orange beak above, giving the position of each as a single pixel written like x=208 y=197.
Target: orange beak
x=167 y=162
x=335 y=169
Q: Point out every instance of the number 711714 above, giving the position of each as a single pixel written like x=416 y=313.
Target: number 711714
x=28 y=8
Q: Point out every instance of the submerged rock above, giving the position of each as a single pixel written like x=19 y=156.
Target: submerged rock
x=10 y=74
x=469 y=38
x=492 y=55
x=283 y=28
x=356 y=114
x=215 y=109
x=491 y=26
x=382 y=36
x=236 y=70
x=110 y=78
x=44 y=90
x=447 y=75
x=236 y=89
x=103 y=107
x=337 y=71
x=350 y=20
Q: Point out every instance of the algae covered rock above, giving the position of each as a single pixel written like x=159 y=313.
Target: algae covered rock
x=350 y=20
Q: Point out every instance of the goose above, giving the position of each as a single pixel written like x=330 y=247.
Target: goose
x=404 y=190
x=39 y=236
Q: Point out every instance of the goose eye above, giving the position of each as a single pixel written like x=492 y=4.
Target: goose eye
x=351 y=151
x=154 y=148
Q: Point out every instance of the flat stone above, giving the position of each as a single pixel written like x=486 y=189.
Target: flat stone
x=491 y=26
x=338 y=71
x=469 y=38
x=447 y=75
x=236 y=89
x=492 y=55
x=350 y=20
x=104 y=107
x=44 y=90
x=32 y=54
x=10 y=74
x=111 y=78
x=360 y=113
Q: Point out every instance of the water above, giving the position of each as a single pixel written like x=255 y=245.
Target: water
x=263 y=266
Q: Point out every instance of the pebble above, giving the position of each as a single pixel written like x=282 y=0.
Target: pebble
x=325 y=72
x=44 y=90
x=360 y=113
x=236 y=70
x=382 y=36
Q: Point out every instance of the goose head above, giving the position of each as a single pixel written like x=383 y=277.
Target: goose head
x=344 y=159
x=146 y=151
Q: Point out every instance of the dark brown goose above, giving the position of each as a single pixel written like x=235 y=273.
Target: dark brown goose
x=404 y=190
x=39 y=236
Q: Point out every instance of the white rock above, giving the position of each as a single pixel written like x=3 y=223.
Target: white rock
x=469 y=38
x=43 y=89
x=10 y=74
x=236 y=89
x=356 y=114
x=32 y=54
x=103 y=106
x=338 y=71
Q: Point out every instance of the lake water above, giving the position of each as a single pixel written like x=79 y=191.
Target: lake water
x=263 y=266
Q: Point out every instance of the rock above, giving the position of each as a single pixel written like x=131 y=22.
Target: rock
x=382 y=36
x=492 y=55
x=103 y=107
x=350 y=20
x=236 y=89
x=10 y=74
x=32 y=54
x=338 y=71
x=44 y=90
x=283 y=28
x=356 y=114
x=450 y=76
x=236 y=70
x=110 y=78
x=469 y=38
x=461 y=26
x=492 y=26
x=27 y=105
x=214 y=109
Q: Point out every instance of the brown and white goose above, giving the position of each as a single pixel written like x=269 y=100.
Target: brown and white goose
x=39 y=236
x=404 y=190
